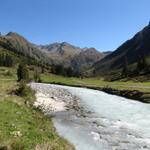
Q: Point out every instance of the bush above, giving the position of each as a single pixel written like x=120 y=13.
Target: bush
x=8 y=73
x=17 y=145
x=24 y=90
x=3 y=148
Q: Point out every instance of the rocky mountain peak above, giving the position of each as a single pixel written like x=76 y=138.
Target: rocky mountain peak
x=12 y=34
x=65 y=44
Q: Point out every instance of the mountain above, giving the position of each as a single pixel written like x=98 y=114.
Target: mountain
x=60 y=53
x=86 y=59
x=107 y=53
x=129 y=52
x=18 y=44
x=71 y=56
x=63 y=53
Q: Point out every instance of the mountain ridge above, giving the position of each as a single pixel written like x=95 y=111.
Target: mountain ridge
x=70 y=55
x=132 y=50
x=53 y=54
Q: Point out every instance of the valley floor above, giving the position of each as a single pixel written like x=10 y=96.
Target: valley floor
x=23 y=126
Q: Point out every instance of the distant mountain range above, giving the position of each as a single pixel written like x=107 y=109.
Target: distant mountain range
x=87 y=60
x=69 y=55
x=53 y=54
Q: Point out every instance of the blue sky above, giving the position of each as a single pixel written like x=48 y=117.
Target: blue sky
x=103 y=24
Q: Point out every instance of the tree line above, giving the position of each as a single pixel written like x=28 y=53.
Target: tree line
x=64 y=71
x=6 y=60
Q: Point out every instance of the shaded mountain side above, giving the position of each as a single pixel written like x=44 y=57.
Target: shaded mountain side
x=86 y=59
x=107 y=53
x=131 y=51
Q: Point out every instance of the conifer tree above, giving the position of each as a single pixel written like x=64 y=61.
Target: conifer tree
x=125 y=70
x=36 y=76
x=22 y=72
x=141 y=65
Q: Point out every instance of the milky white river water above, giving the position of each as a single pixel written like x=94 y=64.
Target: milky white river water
x=109 y=122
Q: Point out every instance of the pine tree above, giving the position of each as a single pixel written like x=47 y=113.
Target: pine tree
x=36 y=76
x=8 y=61
x=59 y=70
x=1 y=60
x=69 y=72
x=141 y=65
x=42 y=69
x=144 y=63
x=22 y=72
x=125 y=70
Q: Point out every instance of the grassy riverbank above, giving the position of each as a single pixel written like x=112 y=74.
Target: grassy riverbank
x=97 y=82
x=21 y=126
x=126 y=89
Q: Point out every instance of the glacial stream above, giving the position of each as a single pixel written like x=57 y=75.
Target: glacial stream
x=94 y=120
x=107 y=122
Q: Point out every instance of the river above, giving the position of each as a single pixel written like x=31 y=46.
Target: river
x=110 y=122
x=101 y=121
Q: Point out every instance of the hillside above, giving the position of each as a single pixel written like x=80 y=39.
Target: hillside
x=129 y=52
x=18 y=44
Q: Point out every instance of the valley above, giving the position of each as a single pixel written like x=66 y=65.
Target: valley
x=74 y=75
x=48 y=89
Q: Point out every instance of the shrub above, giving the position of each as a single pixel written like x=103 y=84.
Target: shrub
x=24 y=90
x=17 y=145
x=8 y=73
x=3 y=148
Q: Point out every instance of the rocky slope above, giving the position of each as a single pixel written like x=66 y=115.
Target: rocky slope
x=60 y=53
x=71 y=56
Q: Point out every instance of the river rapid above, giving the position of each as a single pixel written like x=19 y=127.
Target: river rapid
x=103 y=121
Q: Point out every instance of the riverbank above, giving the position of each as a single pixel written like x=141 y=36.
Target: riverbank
x=51 y=99
x=130 y=89
x=130 y=94
x=24 y=127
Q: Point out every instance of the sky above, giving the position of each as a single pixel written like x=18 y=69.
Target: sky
x=103 y=24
